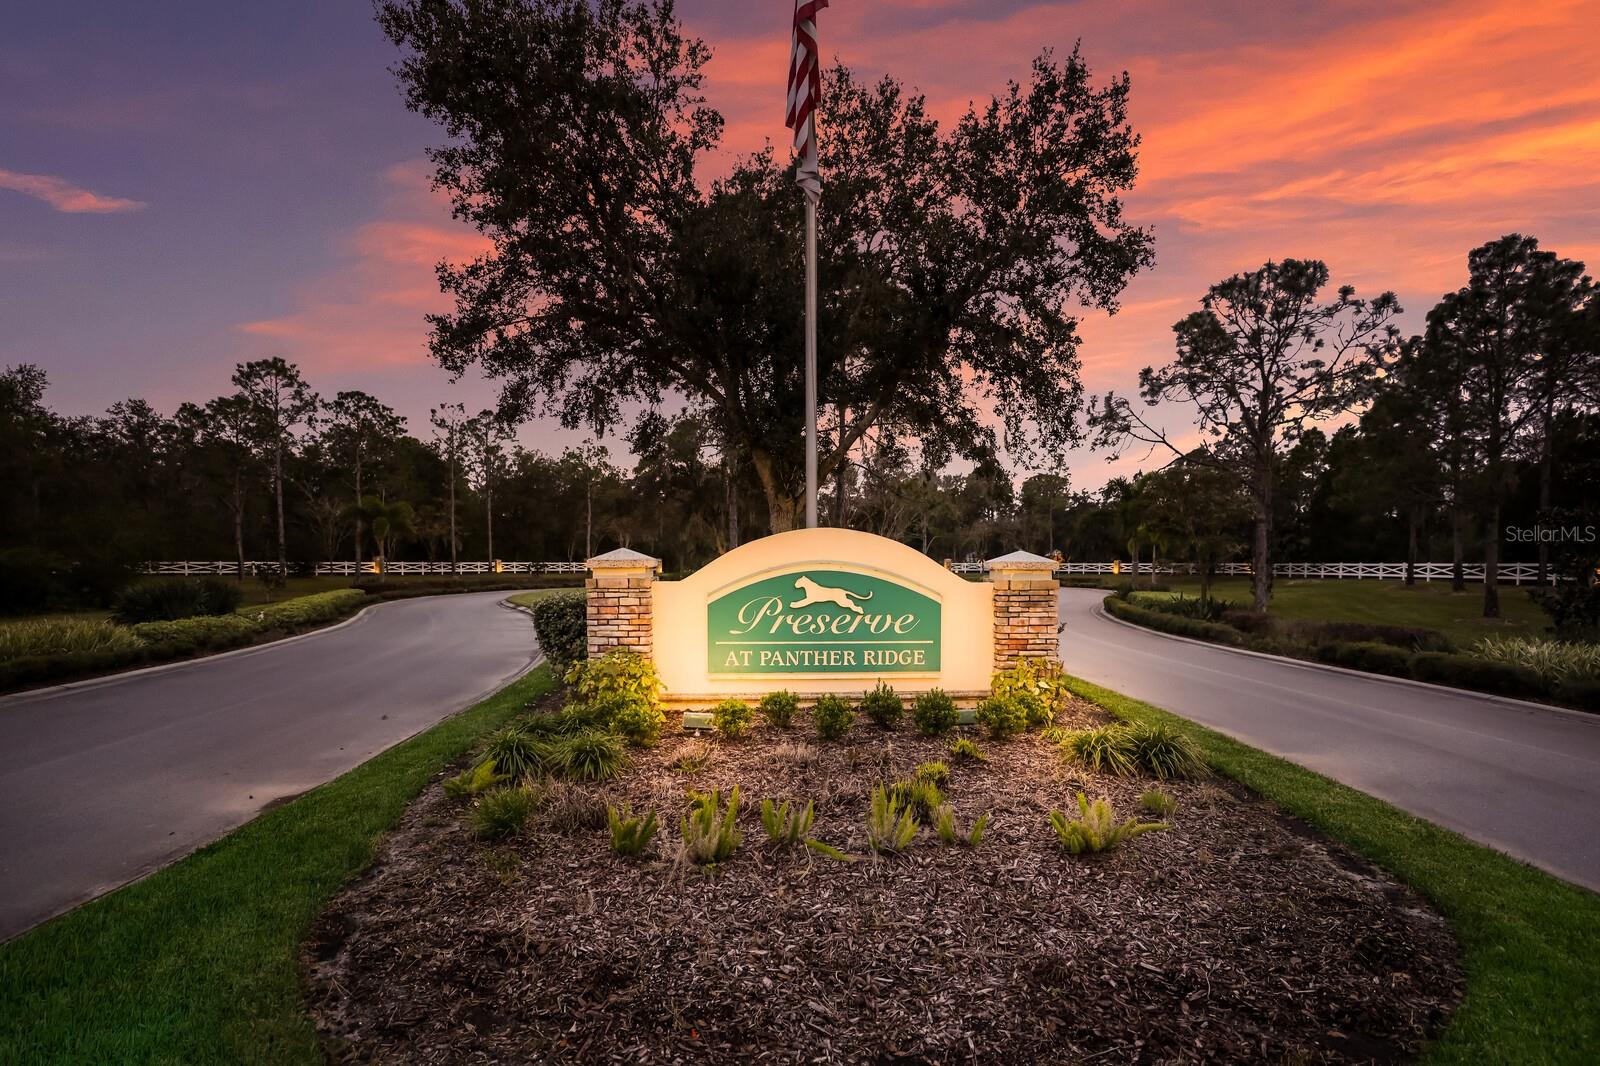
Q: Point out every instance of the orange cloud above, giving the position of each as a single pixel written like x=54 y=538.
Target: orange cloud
x=63 y=195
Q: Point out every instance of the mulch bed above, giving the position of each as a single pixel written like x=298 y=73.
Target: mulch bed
x=1239 y=935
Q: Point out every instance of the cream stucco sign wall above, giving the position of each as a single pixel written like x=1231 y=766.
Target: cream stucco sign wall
x=822 y=610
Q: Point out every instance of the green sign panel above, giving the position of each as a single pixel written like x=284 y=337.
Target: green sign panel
x=823 y=622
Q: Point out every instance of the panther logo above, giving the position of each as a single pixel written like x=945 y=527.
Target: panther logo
x=815 y=593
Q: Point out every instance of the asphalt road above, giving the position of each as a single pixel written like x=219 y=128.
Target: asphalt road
x=101 y=784
x=1520 y=778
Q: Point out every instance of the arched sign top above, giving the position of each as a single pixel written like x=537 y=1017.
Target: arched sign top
x=822 y=547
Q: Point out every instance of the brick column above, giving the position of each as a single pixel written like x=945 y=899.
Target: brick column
x=620 y=602
x=1025 y=608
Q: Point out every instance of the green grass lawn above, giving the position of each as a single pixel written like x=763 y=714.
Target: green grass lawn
x=1530 y=940
x=1459 y=615
x=198 y=963
x=528 y=599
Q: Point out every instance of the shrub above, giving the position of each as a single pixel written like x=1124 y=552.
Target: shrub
x=500 y=813
x=61 y=636
x=1554 y=661
x=891 y=825
x=630 y=835
x=516 y=753
x=779 y=708
x=833 y=717
x=1411 y=638
x=1160 y=750
x=1096 y=828
x=693 y=758
x=568 y=808
x=709 y=832
x=560 y=620
x=1464 y=671
x=636 y=720
x=619 y=672
x=1002 y=716
x=786 y=826
x=198 y=634
x=934 y=713
x=1106 y=749
x=1581 y=694
x=1155 y=802
x=964 y=750
x=1572 y=607
x=1171 y=623
x=732 y=718
x=1255 y=623
x=304 y=611
x=944 y=823
x=920 y=796
x=590 y=756
x=883 y=706
x=171 y=598
x=1204 y=608
x=1039 y=683
x=469 y=783
x=1367 y=655
x=936 y=772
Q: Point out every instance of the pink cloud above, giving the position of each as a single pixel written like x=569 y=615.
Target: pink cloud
x=65 y=196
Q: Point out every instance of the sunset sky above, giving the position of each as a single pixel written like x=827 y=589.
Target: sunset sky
x=187 y=185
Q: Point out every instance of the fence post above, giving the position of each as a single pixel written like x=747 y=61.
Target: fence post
x=1026 y=608
x=620 y=602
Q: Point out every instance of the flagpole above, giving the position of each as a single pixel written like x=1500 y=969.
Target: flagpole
x=811 y=363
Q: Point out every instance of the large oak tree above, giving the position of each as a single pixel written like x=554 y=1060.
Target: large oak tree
x=954 y=261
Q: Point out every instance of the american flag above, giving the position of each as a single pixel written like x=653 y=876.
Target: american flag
x=805 y=86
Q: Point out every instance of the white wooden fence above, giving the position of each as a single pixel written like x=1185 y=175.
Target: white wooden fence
x=1511 y=573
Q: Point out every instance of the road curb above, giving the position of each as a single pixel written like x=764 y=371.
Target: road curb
x=1488 y=697
x=11 y=698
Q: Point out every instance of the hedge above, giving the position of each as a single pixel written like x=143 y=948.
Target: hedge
x=1370 y=656
x=1215 y=632
x=1464 y=671
x=561 y=622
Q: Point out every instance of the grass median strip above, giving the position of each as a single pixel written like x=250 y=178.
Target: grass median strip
x=198 y=963
x=1529 y=939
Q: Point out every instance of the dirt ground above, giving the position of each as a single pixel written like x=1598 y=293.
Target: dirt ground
x=1236 y=936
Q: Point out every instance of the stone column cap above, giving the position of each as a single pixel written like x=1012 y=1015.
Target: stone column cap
x=623 y=559
x=1020 y=560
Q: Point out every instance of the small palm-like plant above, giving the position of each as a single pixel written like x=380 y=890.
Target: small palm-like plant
x=518 y=752
x=709 y=832
x=891 y=825
x=936 y=772
x=1096 y=828
x=786 y=825
x=920 y=795
x=944 y=823
x=964 y=750
x=469 y=783
x=630 y=835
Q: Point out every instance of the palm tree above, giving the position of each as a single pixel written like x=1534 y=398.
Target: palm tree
x=386 y=521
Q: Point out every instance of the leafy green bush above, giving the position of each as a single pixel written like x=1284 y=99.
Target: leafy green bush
x=779 y=708
x=168 y=599
x=1096 y=828
x=936 y=772
x=1311 y=633
x=944 y=824
x=61 y=636
x=921 y=796
x=469 y=783
x=1555 y=661
x=891 y=825
x=1572 y=607
x=619 y=672
x=710 y=833
x=302 y=611
x=1040 y=684
x=1171 y=623
x=935 y=713
x=1204 y=608
x=833 y=717
x=630 y=835
x=205 y=633
x=518 y=753
x=1367 y=655
x=883 y=706
x=786 y=825
x=964 y=750
x=732 y=718
x=1002 y=716
x=560 y=620
x=501 y=813
x=635 y=720
x=1161 y=751
x=1464 y=671
x=1255 y=623
x=1106 y=749
x=590 y=756
x=1156 y=802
